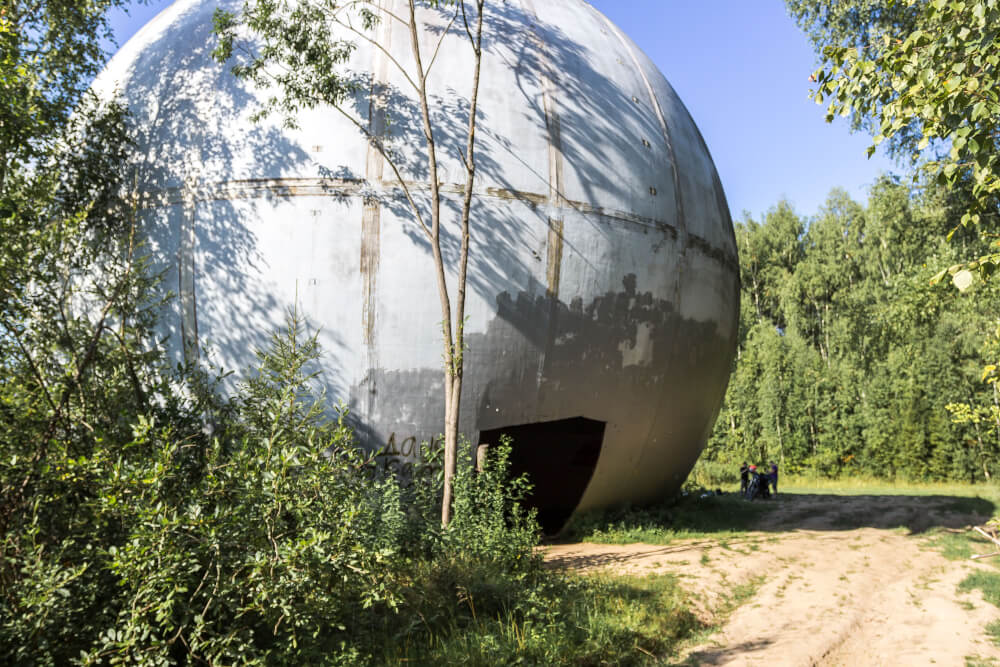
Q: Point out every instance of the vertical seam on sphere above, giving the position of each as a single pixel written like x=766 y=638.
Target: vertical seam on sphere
x=371 y=211
x=186 y=277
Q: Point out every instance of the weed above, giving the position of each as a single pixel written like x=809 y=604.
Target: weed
x=993 y=630
x=597 y=619
x=953 y=545
x=987 y=582
x=976 y=661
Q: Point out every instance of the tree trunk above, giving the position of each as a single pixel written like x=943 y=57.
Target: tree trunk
x=456 y=361
x=452 y=330
x=451 y=413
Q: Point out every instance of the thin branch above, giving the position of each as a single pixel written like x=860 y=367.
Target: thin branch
x=34 y=368
x=67 y=392
x=470 y=166
x=465 y=20
x=68 y=389
x=438 y=47
x=381 y=48
x=394 y=16
x=435 y=193
x=991 y=538
x=374 y=141
x=133 y=375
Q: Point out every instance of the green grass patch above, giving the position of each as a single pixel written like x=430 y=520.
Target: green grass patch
x=860 y=486
x=993 y=630
x=976 y=661
x=952 y=545
x=987 y=582
x=687 y=517
x=568 y=620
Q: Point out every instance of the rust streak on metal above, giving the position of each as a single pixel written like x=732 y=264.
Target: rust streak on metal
x=186 y=278
x=370 y=248
x=555 y=252
x=346 y=188
x=336 y=188
x=371 y=215
x=553 y=125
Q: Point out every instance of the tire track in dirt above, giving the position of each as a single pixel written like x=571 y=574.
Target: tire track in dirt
x=849 y=582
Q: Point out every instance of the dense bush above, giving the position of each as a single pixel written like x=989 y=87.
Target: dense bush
x=274 y=542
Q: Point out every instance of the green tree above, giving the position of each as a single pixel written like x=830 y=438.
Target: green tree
x=924 y=75
x=769 y=251
x=49 y=53
x=299 y=49
x=849 y=364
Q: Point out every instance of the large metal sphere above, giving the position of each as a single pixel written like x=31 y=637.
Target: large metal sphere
x=603 y=280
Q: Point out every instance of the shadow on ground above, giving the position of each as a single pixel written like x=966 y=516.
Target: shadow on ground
x=915 y=513
x=717 y=656
x=714 y=516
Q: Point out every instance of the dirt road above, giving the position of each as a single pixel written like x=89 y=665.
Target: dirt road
x=850 y=580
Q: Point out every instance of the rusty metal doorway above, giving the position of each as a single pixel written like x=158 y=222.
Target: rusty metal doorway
x=559 y=458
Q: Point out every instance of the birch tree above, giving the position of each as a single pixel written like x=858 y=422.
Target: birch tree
x=298 y=51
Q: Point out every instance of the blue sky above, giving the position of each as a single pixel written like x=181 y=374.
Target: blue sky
x=742 y=69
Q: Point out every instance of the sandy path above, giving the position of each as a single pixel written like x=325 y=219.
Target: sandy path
x=838 y=583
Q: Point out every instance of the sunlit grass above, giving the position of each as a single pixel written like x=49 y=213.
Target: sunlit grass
x=857 y=486
x=993 y=630
x=574 y=620
x=987 y=582
x=959 y=545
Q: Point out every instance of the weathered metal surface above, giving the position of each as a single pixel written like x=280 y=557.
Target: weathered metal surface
x=603 y=280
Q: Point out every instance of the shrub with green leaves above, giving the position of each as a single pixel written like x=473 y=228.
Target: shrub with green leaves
x=490 y=523
x=276 y=541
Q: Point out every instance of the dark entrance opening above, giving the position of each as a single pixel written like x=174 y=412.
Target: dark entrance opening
x=559 y=458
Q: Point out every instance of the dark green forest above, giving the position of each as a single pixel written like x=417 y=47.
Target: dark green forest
x=857 y=354
x=849 y=361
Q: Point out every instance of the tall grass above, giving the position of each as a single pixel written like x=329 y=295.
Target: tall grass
x=567 y=620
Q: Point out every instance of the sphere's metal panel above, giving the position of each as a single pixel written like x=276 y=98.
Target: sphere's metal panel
x=603 y=279
x=704 y=201
x=614 y=158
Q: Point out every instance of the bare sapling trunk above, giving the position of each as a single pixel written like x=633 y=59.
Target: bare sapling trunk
x=452 y=321
x=283 y=50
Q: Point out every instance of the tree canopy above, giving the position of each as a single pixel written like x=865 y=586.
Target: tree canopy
x=847 y=360
x=923 y=76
